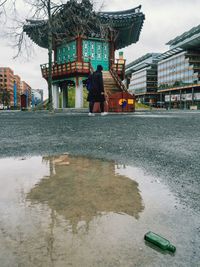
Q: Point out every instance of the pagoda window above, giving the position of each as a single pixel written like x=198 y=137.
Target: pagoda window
x=66 y=52
x=97 y=51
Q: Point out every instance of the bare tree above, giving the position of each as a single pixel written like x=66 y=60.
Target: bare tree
x=2 y=2
x=40 y=12
x=2 y=6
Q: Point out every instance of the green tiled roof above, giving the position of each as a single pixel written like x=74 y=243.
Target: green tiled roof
x=126 y=25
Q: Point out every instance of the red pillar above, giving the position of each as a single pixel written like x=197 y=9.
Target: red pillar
x=112 y=53
x=79 y=49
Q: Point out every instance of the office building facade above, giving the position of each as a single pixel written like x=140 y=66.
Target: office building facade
x=173 y=77
x=141 y=77
x=179 y=71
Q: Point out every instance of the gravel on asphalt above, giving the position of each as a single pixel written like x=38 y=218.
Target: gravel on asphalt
x=165 y=144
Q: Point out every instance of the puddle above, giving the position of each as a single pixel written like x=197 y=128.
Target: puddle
x=80 y=189
x=75 y=211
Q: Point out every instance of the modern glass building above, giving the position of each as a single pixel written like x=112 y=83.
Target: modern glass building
x=170 y=79
x=142 y=78
x=179 y=71
x=176 y=70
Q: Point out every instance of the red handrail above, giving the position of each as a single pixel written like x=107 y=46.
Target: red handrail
x=66 y=68
x=119 y=67
x=118 y=80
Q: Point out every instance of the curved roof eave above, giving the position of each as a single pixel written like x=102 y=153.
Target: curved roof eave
x=127 y=24
x=124 y=12
x=128 y=28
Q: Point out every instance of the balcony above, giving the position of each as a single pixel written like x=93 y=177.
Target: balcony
x=69 y=69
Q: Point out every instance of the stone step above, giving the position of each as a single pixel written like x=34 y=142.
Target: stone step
x=110 y=85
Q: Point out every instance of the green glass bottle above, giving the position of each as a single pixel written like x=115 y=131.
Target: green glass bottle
x=159 y=241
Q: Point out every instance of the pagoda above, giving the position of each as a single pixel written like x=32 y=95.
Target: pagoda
x=83 y=39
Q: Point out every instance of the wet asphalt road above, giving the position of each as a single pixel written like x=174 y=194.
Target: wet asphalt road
x=163 y=143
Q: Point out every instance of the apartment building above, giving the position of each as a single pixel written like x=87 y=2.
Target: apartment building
x=7 y=84
x=11 y=88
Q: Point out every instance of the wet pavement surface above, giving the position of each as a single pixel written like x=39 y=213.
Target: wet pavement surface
x=75 y=211
x=125 y=175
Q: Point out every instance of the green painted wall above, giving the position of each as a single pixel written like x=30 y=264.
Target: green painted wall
x=66 y=52
x=98 y=51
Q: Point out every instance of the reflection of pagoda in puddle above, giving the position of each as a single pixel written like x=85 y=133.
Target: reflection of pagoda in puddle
x=80 y=189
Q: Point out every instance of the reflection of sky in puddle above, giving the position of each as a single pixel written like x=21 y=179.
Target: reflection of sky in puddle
x=75 y=211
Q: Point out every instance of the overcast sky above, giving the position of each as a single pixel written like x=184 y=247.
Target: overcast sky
x=164 y=20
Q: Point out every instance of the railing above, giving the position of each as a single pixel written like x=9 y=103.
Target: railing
x=119 y=68
x=69 y=68
x=118 y=80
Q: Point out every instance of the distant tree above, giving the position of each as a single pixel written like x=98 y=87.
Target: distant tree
x=1 y=92
x=177 y=83
x=4 y=4
x=4 y=97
